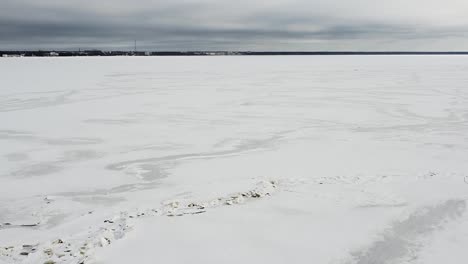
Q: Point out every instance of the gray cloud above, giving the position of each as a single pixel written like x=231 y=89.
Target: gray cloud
x=238 y=25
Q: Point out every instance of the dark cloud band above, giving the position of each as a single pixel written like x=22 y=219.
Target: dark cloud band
x=181 y=27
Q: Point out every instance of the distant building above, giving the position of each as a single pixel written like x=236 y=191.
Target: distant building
x=53 y=54
x=94 y=52
x=12 y=55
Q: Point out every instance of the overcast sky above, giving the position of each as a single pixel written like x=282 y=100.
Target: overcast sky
x=235 y=25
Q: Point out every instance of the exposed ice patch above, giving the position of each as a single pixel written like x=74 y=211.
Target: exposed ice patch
x=49 y=167
x=103 y=121
x=16 y=156
x=401 y=240
x=154 y=168
x=38 y=169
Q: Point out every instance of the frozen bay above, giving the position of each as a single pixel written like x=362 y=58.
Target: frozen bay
x=329 y=159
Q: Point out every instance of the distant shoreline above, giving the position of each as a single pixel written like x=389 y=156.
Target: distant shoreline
x=54 y=53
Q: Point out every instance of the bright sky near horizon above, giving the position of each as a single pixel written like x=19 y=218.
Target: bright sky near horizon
x=302 y=25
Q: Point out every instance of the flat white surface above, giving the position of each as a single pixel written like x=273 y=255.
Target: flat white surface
x=357 y=159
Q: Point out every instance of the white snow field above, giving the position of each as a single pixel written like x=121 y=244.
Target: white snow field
x=286 y=159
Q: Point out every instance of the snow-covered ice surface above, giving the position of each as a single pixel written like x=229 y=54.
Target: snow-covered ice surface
x=333 y=159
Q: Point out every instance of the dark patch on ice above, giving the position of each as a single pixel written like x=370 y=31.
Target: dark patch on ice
x=16 y=156
x=247 y=145
x=114 y=190
x=27 y=136
x=74 y=141
x=101 y=200
x=152 y=168
x=38 y=169
x=20 y=102
x=110 y=121
x=152 y=172
x=401 y=239
x=79 y=155
x=159 y=147
x=54 y=220
x=16 y=134
x=8 y=225
x=383 y=205
x=50 y=167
